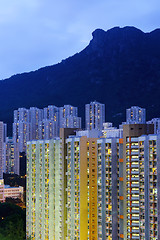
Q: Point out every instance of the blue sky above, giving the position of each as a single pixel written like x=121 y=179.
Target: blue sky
x=38 y=33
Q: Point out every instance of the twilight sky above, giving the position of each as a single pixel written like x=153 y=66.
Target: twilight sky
x=38 y=33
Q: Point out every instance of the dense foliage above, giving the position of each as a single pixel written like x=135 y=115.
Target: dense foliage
x=12 y=222
x=14 y=180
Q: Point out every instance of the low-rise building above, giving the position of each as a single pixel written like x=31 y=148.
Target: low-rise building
x=7 y=191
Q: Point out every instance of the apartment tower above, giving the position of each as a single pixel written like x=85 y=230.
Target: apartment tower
x=131 y=179
x=44 y=215
x=94 y=115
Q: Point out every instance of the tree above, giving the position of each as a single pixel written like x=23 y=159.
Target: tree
x=12 y=222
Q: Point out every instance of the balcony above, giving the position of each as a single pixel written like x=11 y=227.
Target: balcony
x=134 y=178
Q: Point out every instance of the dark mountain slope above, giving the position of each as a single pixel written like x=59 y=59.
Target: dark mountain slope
x=120 y=67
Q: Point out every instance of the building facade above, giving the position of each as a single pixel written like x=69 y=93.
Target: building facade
x=94 y=115
x=10 y=192
x=149 y=158
x=9 y=156
x=35 y=115
x=2 y=137
x=87 y=186
x=48 y=129
x=131 y=178
x=136 y=115
x=81 y=188
x=107 y=188
x=44 y=216
x=68 y=117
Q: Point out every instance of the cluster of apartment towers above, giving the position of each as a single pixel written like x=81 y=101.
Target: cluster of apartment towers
x=97 y=183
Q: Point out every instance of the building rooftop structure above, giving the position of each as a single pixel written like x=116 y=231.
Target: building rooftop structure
x=135 y=115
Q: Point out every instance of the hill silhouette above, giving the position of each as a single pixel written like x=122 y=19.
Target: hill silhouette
x=120 y=68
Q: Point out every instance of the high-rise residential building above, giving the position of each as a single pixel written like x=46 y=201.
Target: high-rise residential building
x=94 y=115
x=136 y=115
x=35 y=115
x=67 y=110
x=34 y=123
x=48 y=178
x=44 y=199
x=5 y=131
x=50 y=119
x=107 y=185
x=68 y=117
x=94 y=185
x=48 y=129
x=131 y=179
x=87 y=186
x=21 y=115
x=46 y=188
x=94 y=188
x=149 y=178
x=9 y=156
x=51 y=113
x=21 y=129
x=21 y=134
x=2 y=133
x=25 y=128
x=64 y=134
x=81 y=188
x=72 y=122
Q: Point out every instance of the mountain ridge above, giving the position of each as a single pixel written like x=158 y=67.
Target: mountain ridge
x=120 y=67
